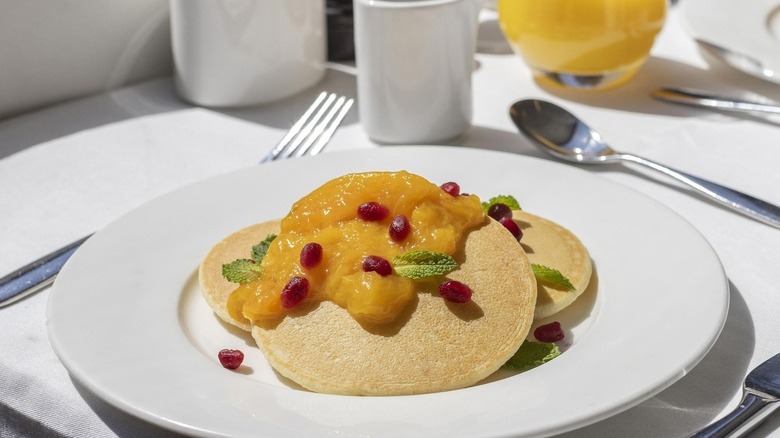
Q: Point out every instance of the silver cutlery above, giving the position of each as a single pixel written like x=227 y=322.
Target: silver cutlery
x=700 y=99
x=740 y=61
x=566 y=137
x=308 y=136
x=760 y=397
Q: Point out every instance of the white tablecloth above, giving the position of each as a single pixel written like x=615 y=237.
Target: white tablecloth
x=69 y=170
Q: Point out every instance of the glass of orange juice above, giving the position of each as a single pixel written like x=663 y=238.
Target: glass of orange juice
x=582 y=43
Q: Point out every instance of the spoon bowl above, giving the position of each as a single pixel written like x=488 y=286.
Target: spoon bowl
x=563 y=135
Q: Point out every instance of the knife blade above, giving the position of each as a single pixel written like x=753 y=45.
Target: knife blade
x=760 y=397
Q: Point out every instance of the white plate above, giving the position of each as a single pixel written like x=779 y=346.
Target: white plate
x=126 y=319
x=749 y=28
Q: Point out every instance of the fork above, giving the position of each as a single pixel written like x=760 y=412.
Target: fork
x=308 y=136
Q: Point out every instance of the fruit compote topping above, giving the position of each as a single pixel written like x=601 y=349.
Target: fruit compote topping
x=512 y=226
x=377 y=264
x=552 y=332
x=455 y=291
x=230 y=359
x=499 y=211
x=372 y=211
x=311 y=255
x=360 y=222
x=503 y=214
x=399 y=228
x=294 y=292
x=452 y=188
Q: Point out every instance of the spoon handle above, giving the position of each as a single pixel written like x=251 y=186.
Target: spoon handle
x=738 y=201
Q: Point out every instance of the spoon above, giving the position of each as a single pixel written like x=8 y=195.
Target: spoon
x=566 y=137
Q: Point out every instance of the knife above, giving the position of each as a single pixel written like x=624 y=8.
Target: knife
x=35 y=276
x=697 y=98
x=760 y=397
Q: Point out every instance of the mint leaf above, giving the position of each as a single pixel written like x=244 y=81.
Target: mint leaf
x=421 y=264
x=550 y=275
x=241 y=271
x=532 y=354
x=259 y=250
x=507 y=200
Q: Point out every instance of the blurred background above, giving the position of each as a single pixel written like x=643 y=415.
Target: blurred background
x=55 y=50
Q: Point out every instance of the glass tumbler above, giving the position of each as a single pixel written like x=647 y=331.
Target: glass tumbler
x=582 y=43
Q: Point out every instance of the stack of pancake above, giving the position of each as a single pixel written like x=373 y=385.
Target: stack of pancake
x=434 y=345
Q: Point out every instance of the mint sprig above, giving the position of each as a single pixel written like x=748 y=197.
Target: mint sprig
x=241 y=271
x=552 y=276
x=532 y=354
x=507 y=200
x=421 y=264
x=259 y=250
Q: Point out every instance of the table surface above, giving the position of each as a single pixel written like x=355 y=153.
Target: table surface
x=70 y=169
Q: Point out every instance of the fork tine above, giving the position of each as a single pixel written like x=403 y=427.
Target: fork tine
x=325 y=129
x=312 y=131
x=308 y=127
x=294 y=130
x=325 y=137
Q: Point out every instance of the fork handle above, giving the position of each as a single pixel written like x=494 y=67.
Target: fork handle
x=36 y=275
x=752 y=410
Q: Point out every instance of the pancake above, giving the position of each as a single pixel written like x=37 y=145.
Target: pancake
x=215 y=289
x=549 y=244
x=433 y=346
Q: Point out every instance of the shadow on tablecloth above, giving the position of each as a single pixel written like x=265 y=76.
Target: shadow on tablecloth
x=659 y=72
x=122 y=424
x=698 y=398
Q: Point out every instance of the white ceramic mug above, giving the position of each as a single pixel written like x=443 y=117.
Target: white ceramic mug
x=415 y=59
x=246 y=52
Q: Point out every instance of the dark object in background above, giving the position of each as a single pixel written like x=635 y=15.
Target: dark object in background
x=341 y=43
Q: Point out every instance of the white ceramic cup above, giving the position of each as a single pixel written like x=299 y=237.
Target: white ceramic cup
x=415 y=59
x=246 y=52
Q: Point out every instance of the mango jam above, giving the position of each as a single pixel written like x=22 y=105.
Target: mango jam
x=329 y=216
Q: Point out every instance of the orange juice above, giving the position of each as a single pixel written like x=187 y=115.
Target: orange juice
x=603 y=42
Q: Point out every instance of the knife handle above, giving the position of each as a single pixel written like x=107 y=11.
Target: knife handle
x=690 y=97
x=36 y=275
x=752 y=410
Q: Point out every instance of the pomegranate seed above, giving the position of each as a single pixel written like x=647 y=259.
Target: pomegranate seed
x=452 y=188
x=294 y=292
x=311 y=255
x=400 y=228
x=230 y=359
x=372 y=211
x=551 y=332
x=512 y=226
x=499 y=211
x=377 y=264
x=455 y=291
